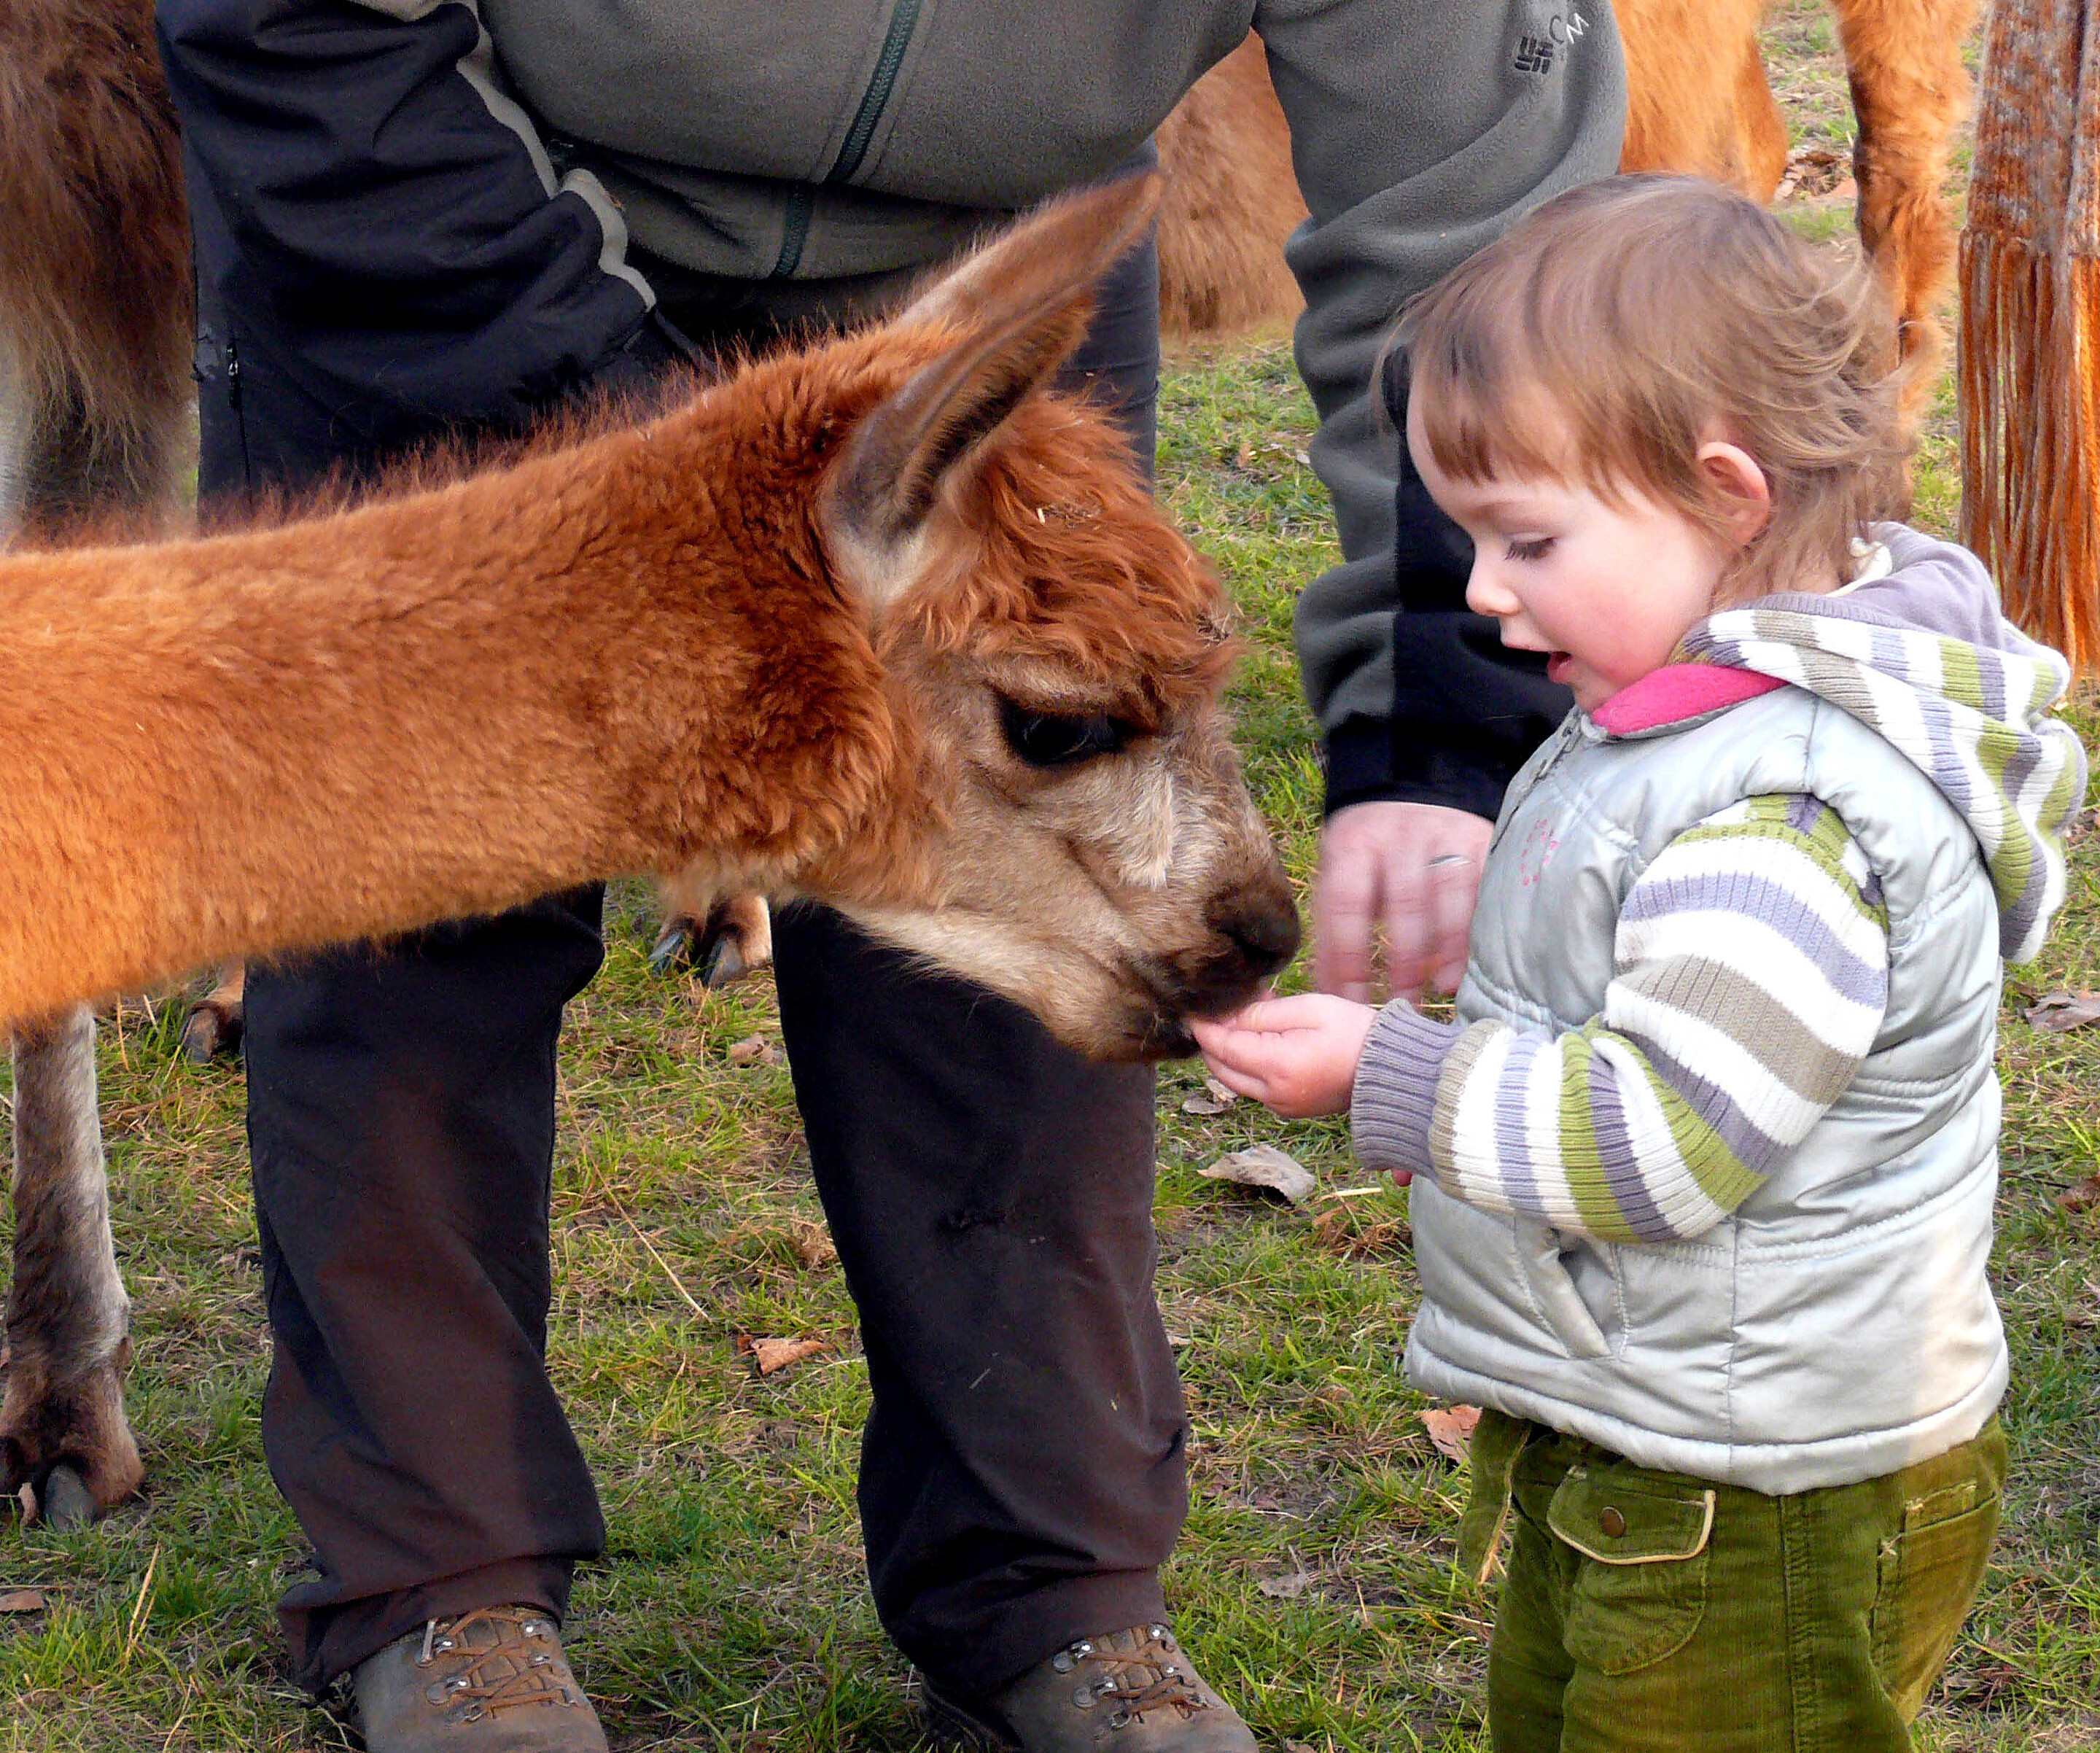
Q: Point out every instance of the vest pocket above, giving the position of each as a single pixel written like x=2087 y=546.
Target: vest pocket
x=1929 y=1575
x=1538 y=1250
x=1644 y=1591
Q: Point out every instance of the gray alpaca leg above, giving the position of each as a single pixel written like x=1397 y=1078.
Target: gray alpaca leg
x=13 y=444
x=62 y=1432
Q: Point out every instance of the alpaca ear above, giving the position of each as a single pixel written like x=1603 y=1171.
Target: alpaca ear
x=1021 y=304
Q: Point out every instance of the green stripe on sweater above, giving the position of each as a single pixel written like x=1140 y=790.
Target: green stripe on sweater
x=1824 y=844
x=1580 y=1155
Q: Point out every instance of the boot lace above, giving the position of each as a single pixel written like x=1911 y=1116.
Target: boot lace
x=1134 y=1681
x=500 y=1675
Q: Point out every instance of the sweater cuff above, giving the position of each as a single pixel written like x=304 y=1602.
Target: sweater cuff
x=1396 y=1090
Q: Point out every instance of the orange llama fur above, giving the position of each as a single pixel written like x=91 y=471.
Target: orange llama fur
x=1697 y=102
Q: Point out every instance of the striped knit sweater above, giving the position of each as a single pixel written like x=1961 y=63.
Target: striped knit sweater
x=1750 y=959
x=1753 y=948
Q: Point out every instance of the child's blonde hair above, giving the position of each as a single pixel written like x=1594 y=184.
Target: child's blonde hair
x=1606 y=336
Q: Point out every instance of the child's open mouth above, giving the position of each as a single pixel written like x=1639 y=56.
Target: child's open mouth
x=1556 y=666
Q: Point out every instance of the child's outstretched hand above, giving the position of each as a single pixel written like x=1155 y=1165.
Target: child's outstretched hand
x=1298 y=1055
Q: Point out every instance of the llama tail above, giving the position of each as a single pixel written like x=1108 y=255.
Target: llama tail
x=2030 y=333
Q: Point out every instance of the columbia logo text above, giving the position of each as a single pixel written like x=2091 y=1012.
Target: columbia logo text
x=1536 y=53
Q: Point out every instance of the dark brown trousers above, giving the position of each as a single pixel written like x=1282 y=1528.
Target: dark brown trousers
x=1023 y=1473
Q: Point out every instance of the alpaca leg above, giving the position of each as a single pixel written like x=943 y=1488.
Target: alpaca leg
x=63 y=1433
x=1910 y=92
x=14 y=443
x=1231 y=200
x=78 y=470
x=733 y=938
x=1697 y=99
x=213 y=1025
x=1760 y=128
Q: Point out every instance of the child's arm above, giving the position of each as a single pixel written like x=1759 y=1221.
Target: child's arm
x=1751 y=978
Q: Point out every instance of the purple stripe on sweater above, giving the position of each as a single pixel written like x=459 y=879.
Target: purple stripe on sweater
x=1885 y=646
x=1394 y=1108
x=2019 y=769
x=1759 y=898
x=1615 y=1147
x=1803 y=811
x=1753 y=1146
x=1950 y=770
x=1990 y=676
x=1513 y=1160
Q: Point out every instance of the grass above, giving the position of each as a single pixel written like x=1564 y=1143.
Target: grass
x=730 y=1612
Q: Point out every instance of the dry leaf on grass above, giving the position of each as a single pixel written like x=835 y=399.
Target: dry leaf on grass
x=2054 y=1012
x=2082 y=1197
x=1213 y=1098
x=1451 y=1428
x=813 y=1243
x=21 y=1600
x=1286 y=1587
x=754 y=1049
x=773 y=1355
x=1339 y=1232
x=1263 y=1165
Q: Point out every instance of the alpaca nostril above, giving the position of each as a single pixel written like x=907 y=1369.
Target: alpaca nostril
x=1263 y=929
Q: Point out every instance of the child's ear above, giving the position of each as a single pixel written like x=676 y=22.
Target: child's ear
x=1737 y=488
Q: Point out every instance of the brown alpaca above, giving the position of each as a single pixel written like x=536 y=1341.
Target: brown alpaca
x=1697 y=102
x=802 y=635
x=879 y=622
x=94 y=342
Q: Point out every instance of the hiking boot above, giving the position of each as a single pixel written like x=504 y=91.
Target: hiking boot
x=494 y=1680
x=1127 y=1692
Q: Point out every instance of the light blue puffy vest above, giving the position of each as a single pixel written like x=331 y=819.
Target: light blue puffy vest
x=1840 y=1325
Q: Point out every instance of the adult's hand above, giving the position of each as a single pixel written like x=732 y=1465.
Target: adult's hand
x=1415 y=868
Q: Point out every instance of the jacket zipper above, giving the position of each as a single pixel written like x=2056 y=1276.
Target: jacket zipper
x=1563 y=738
x=795 y=228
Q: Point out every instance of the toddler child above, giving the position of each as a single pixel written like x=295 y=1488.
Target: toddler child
x=1704 y=1168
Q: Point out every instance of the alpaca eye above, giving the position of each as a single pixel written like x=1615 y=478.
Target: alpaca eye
x=1057 y=740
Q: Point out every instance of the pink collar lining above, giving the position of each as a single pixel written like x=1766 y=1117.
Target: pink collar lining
x=1678 y=691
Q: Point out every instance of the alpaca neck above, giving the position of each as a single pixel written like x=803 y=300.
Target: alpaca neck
x=439 y=705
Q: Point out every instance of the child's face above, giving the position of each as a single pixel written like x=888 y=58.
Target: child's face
x=1606 y=589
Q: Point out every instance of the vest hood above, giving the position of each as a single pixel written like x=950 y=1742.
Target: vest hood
x=1922 y=657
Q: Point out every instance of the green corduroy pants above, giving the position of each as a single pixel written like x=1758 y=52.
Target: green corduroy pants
x=1646 y=1612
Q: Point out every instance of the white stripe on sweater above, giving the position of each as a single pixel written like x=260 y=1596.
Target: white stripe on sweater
x=1762 y=853
x=1662 y=1165
x=1767 y=957
x=1717 y=1056
x=1541 y=1099
x=1473 y=1160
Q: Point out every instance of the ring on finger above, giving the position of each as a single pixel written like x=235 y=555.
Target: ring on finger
x=1447 y=859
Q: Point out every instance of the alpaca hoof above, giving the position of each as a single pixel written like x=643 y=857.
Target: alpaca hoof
x=736 y=940
x=673 y=949
x=68 y=1452
x=211 y=1031
x=65 y=1505
x=721 y=959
